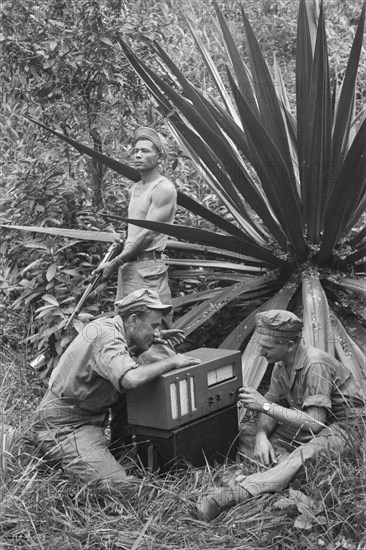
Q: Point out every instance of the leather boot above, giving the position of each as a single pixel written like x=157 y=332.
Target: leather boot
x=210 y=506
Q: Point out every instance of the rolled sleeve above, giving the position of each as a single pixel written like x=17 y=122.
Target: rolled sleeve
x=113 y=359
x=275 y=393
x=318 y=387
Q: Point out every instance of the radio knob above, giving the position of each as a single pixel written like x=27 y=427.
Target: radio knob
x=218 y=397
x=210 y=400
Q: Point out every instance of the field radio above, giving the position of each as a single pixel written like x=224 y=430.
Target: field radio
x=188 y=414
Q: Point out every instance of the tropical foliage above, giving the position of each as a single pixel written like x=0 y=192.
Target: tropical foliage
x=305 y=180
x=290 y=175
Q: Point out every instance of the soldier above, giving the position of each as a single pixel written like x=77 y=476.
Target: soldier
x=310 y=405
x=98 y=366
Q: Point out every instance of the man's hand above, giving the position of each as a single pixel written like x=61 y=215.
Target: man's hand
x=264 y=451
x=251 y=398
x=185 y=361
x=106 y=268
x=173 y=336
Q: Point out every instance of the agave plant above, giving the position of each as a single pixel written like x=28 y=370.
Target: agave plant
x=293 y=187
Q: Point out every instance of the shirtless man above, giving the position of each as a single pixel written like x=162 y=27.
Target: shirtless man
x=154 y=198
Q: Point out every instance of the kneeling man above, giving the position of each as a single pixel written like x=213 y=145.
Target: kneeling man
x=311 y=403
x=99 y=365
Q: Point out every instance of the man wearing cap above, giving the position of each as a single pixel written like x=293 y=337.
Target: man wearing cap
x=154 y=197
x=311 y=403
x=98 y=366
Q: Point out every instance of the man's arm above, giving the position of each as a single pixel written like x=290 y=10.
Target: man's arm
x=263 y=449
x=145 y=373
x=163 y=199
x=312 y=420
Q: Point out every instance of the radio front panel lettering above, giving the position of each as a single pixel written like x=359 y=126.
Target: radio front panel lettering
x=216 y=376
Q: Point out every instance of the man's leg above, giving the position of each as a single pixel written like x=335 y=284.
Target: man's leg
x=152 y=274
x=275 y=479
x=83 y=452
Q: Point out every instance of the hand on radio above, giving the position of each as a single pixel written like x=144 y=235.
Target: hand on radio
x=182 y=360
x=173 y=336
x=251 y=398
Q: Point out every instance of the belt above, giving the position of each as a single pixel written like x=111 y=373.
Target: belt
x=149 y=255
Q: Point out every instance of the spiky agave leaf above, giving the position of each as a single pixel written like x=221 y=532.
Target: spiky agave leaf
x=78 y=234
x=253 y=290
x=317 y=325
x=220 y=240
x=319 y=142
x=222 y=144
x=280 y=300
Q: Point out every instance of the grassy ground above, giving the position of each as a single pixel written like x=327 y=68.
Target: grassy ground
x=42 y=509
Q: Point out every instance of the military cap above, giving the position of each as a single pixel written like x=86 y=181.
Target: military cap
x=278 y=323
x=142 y=297
x=148 y=133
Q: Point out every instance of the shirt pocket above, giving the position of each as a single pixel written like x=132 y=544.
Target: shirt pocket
x=152 y=272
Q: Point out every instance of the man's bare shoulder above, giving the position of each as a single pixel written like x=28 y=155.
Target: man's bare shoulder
x=165 y=187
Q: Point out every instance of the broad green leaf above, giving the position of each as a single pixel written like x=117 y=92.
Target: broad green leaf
x=348 y=352
x=51 y=272
x=81 y=234
x=197 y=208
x=212 y=275
x=50 y=299
x=242 y=73
x=119 y=167
x=194 y=297
x=269 y=107
x=344 y=106
x=278 y=181
x=315 y=152
x=305 y=46
x=358 y=238
x=209 y=168
x=354 y=285
x=218 y=265
x=203 y=312
x=212 y=239
x=356 y=216
x=201 y=249
x=236 y=339
x=231 y=166
x=318 y=330
x=355 y=257
x=348 y=192
x=289 y=121
x=214 y=74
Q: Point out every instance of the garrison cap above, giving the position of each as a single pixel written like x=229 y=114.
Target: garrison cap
x=278 y=323
x=148 y=133
x=142 y=297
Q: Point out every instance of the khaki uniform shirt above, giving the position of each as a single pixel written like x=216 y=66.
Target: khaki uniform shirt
x=316 y=380
x=87 y=380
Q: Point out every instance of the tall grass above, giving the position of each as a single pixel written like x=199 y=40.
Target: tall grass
x=42 y=509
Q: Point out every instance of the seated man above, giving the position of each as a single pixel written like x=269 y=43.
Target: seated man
x=99 y=365
x=311 y=402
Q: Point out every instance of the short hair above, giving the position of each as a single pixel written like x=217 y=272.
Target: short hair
x=139 y=310
x=295 y=339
